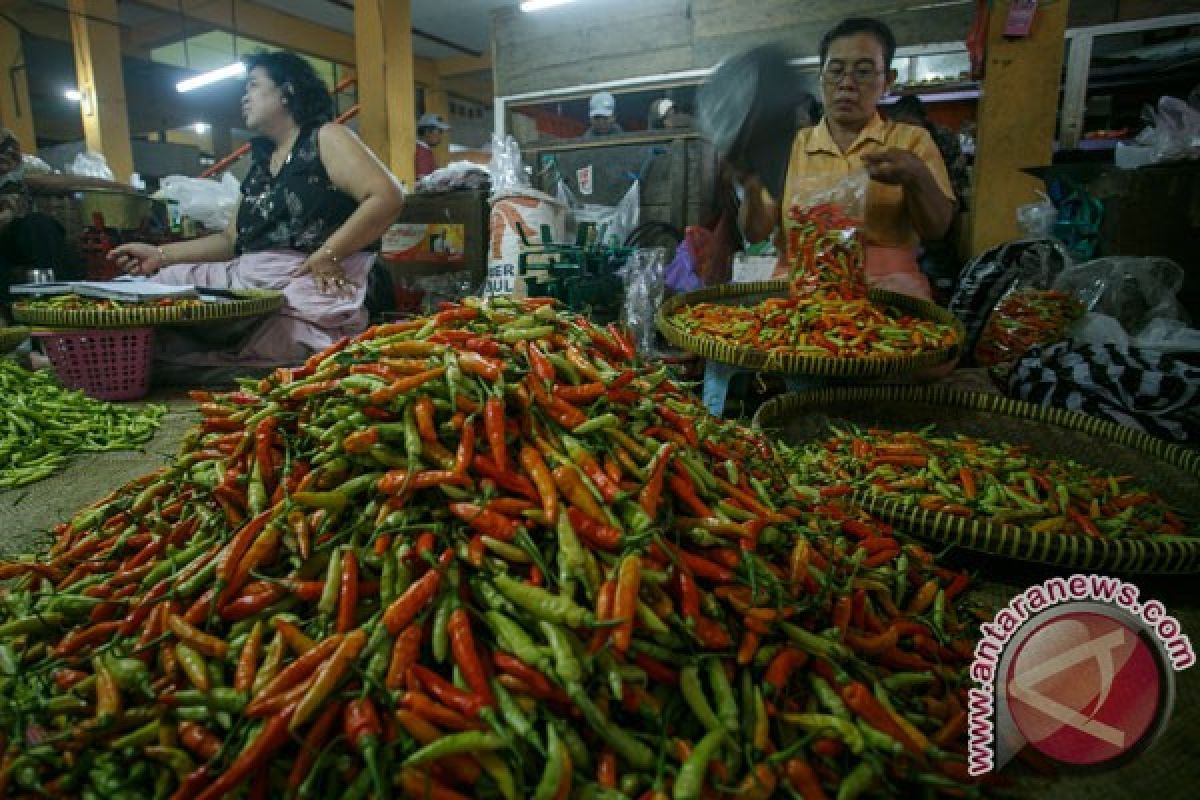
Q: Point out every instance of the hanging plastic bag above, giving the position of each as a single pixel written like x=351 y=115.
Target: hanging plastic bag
x=613 y=223
x=824 y=234
x=507 y=167
x=644 y=289
x=210 y=203
x=1175 y=131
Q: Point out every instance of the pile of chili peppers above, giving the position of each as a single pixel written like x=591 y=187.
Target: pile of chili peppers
x=76 y=302
x=483 y=554
x=999 y=482
x=825 y=249
x=829 y=323
x=42 y=425
x=1024 y=319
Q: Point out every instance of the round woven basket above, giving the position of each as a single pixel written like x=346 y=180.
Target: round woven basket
x=1170 y=470
x=11 y=337
x=249 y=303
x=794 y=363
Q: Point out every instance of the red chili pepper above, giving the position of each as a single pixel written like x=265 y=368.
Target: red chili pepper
x=364 y=732
x=533 y=464
x=314 y=742
x=486 y=522
x=405 y=652
x=405 y=608
x=582 y=395
x=200 y=741
x=649 y=495
x=491 y=370
x=447 y=693
x=541 y=365
x=256 y=756
x=493 y=425
x=483 y=346
x=466 y=655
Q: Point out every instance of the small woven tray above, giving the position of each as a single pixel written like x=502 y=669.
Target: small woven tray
x=795 y=363
x=250 y=303
x=11 y=337
x=1170 y=470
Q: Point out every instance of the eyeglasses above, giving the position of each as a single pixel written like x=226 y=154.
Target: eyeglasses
x=860 y=75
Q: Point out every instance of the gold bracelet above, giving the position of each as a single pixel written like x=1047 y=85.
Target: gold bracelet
x=162 y=255
x=332 y=255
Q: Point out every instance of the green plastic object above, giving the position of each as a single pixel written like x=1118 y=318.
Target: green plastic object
x=582 y=276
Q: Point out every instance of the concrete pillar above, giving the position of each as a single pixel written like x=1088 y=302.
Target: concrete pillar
x=15 y=112
x=386 y=92
x=97 y=43
x=1017 y=113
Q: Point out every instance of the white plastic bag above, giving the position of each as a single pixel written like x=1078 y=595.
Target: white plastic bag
x=458 y=175
x=90 y=165
x=614 y=223
x=211 y=203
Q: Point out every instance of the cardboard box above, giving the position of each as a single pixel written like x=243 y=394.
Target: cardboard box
x=425 y=242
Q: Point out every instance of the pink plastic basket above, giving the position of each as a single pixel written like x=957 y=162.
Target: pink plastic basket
x=105 y=364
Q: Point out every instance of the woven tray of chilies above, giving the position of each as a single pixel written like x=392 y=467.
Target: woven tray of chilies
x=11 y=337
x=940 y=344
x=245 y=303
x=1135 y=531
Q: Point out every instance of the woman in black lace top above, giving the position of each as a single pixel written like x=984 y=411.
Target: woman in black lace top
x=314 y=198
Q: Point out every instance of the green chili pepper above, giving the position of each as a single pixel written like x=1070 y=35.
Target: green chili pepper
x=552 y=775
x=857 y=782
x=543 y=604
x=727 y=709
x=454 y=743
x=693 y=695
x=637 y=754
x=690 y=780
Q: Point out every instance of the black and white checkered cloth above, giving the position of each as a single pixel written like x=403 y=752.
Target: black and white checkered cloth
x=1152 y=391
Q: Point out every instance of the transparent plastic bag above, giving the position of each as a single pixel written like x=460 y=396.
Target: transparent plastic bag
x=985 y=281
x=1175 y=131
x=1133 y=291
x=1026 y=317
x=1037 y=220
x=824 y=234
x=507 y=167
x=210 y=203
x=645 y=285
x=90 y=165
x=614 y=223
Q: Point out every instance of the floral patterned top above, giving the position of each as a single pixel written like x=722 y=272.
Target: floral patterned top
x=299 y=208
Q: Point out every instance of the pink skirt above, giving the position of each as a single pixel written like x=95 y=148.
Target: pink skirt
x=309 y=321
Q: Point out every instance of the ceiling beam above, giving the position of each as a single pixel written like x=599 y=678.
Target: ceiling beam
x=266 y=25
x=160 y=33
x=462 y=65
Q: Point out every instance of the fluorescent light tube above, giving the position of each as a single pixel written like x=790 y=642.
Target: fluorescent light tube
x=204 y=79
x=542 y=5
x=74 y=95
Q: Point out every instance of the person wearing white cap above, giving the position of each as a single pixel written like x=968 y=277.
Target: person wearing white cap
x=429 y=136
x=601 y=109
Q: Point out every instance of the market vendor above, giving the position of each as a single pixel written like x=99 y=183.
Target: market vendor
x=909 y=199
x=602 y=111
x=430 y=129
x=313 y=200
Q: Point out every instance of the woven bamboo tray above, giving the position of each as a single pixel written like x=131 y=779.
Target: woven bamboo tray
x=795 y=363
x=250 y=303
x=11 y=337
x=1169 y=470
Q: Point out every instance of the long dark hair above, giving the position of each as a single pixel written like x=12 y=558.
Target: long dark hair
x=308 y=99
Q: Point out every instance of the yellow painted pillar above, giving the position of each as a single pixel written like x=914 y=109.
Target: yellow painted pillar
x=15 y=112
x=386 y=92
x=1017 y=113
x=97 y=43
x=438 y=102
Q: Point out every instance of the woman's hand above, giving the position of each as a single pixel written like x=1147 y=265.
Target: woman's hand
x=138 y=258
x=327 y=273
x=894 y=166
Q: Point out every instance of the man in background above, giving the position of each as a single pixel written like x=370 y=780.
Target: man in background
x=601 y=110
x=430 y=128
x=28 y=239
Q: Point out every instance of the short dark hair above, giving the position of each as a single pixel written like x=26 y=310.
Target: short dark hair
x=852 y=25
x=308 y=99
x=910 y=104
x=424 y=129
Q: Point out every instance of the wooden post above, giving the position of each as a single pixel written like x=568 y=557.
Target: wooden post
x=15 y=113
x=1017 y=114
x=97 y=42
x=386 y=92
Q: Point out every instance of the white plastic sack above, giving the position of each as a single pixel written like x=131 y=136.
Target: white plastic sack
x=90 y=165
x=613 y=223
x=457 y=175
x=211 y=203
x=1162 y=335
x=526 y=209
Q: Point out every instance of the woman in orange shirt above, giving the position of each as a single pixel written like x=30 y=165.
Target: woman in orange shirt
x=909 y=199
